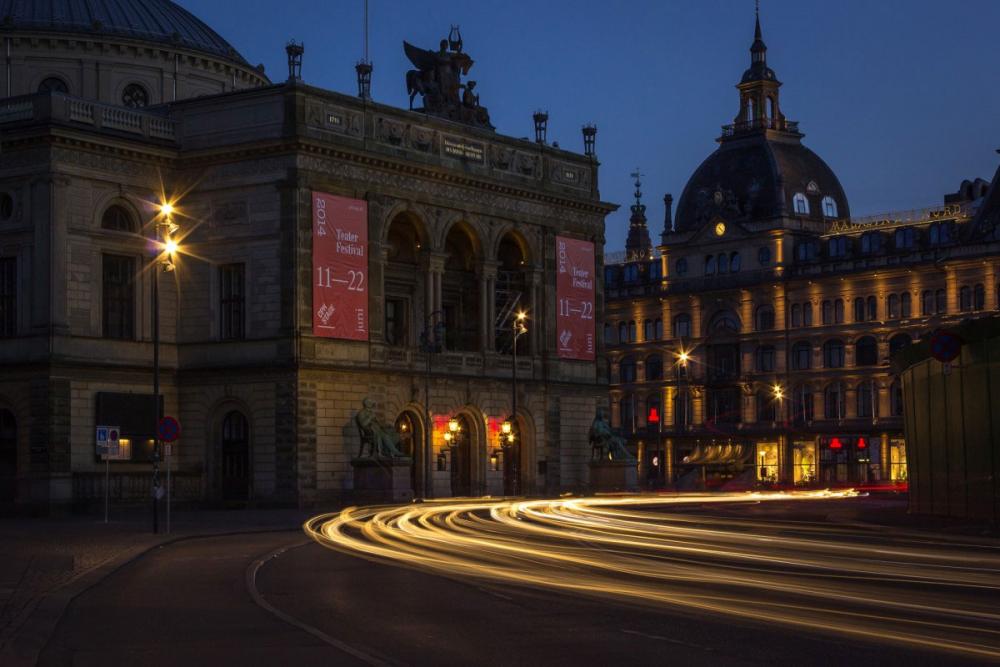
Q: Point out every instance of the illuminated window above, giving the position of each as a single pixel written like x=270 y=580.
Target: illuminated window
x=829 y=207
x=800 y=204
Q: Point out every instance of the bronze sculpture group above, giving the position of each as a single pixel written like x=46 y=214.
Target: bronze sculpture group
x=438 y=80
x=604 y=443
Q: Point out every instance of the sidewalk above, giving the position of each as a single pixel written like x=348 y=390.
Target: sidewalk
x=46 y=562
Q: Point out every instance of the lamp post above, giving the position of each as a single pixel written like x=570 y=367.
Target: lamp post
x=430 y=342
x=779 y=396
x=166 y=249
x=519 y=329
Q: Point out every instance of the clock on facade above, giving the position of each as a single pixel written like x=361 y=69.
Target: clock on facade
x=720 y=228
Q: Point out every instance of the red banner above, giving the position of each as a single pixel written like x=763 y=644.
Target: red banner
x=340 y=267
x=575 y=294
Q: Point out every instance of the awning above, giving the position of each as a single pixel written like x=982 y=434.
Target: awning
x=719 y=454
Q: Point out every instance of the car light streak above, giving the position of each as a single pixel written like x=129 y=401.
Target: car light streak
x=903 y=587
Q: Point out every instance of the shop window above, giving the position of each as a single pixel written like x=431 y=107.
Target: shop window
x=803 y=462
x=767 y=462
x=897 y=460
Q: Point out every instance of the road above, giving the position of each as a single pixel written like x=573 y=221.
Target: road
x=555 y=583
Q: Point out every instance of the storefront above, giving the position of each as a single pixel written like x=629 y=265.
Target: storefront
x=849 y=459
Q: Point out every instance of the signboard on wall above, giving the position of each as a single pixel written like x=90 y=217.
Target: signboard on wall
x=575 y=297
x=340 y=267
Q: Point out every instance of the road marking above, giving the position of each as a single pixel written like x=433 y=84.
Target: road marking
x=666 y=639
x=258 y=598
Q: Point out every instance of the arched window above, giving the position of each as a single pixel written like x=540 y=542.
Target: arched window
x=965 y=298
x=632 y=337
x=764 y=256
x=654 y=368
x=941 y=301
x=735 y=262
x=722 y=262
x=622 y=332
x=807 y=314
x=765 y=358
x=829 y=207
x=710 y=265
x=647 y=330
x=765 y=318
x=859 y=309
x=866 y=351
x=896 y=399
x=682 y=326
x=769 y=107
x=750 y=110
x=800 y=204
x=978 y=297
x=681 y=266
x=766 y=404
x=53 y=84
x=626 y=370
x=658 y=329
x=801 y=356
x=796 y=315
x=838 y=311
x=802 y=404
x=117 y=218
x=905 y=305
x=898 y=342
x=235 y=460
x=927 y=302
x=866 y=400
x=724 y=322
x=135 y=96
x=833 y=353
x=834 y=401
x=893 y=303
x=872 y=308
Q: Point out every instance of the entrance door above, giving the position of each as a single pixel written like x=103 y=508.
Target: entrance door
x=235 y=457
x=461 y=460
x=8 y=457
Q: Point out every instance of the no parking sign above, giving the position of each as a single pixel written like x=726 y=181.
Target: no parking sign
x=168 y=430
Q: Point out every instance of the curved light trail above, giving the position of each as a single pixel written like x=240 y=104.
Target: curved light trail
x=909 y=588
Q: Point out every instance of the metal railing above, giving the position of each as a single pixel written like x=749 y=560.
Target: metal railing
x=762 y=123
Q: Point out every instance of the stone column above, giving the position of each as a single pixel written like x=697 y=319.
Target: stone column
x=378 y=260
x=951 y=286
x=991 y=288
x=534 y=304
x=746 y=311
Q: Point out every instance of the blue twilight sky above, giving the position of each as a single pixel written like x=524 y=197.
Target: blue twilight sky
x=900 y=97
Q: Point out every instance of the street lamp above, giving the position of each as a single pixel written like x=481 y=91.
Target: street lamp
x=519 y=330
x=430 y=342
x=167 y=249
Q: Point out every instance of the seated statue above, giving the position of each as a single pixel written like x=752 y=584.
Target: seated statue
x=381 y=440
x=605 y=445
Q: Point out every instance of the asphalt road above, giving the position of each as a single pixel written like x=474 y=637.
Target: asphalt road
x=192 y=603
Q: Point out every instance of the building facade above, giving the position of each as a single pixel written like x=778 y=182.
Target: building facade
x=462 y=225
x=752 y=345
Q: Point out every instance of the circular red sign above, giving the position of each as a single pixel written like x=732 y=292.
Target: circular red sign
x=168 y=429
x=946 y=346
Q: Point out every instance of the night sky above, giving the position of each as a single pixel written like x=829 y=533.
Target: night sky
x=900 y=97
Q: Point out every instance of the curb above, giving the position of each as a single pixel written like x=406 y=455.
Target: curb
x=33 y=628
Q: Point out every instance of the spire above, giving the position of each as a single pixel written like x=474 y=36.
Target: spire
x=758 y=50
x=637 y=245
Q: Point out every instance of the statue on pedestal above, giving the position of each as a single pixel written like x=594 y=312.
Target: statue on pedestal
x=605 y=445
x=381 y=440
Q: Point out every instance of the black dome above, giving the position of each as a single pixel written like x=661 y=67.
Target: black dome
x=755 y=178
x=146 y=20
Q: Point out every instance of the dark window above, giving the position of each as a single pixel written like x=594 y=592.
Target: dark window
x=710 y=265
x=896 y=399
x=622 y=332
x=872 y=308
x=724 y=406
x=119 y=296
x=53 y=84
x=837 y=247
x=834 y=403
x=893 y=307
x=867 y=400
x=135 y=96
x=865 y=351
x=965 y=298
x=682 y=409
x=935 y=234
x=682 y=326
x=871 y=242
x=765 y=358
x=978 y=297
x=231 y=302
x=838 y=311
x=647 y=330
x=764 y=256
x=655 y=270
x=833 y=354
x=611 y=276
x=235 y=468
x=827 y=310
x=631 y=332
x=801 y=356
x=8 y=297
x=626 y=412
x=898 y=342
x=805 y=251
x=765 y=318
x=627 y=370
x=927 y=302
x=118 y=219
x=6 y=206
x=905 y=239
x=905 y=305
x=941 y=301
x=766 y=404
x=682 y=267
x=654 y=368
x=796 y=315
x=735 y=262
x=807 y=314
x=658 y=329
x=723 y=263
x=859 y=309
x=725 y=322
x=802 y=405
x=608 y=333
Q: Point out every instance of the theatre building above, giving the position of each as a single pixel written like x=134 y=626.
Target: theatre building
x=330 y=249
x=751 y=346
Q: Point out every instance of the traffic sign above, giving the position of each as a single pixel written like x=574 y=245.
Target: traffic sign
x=168 y=430
x=946 y=346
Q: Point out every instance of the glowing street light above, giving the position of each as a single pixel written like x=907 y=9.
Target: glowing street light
x=779 y=393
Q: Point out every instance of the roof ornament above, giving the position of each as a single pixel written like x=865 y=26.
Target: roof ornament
x=637 y=175
x=637 y=244
x=438 y=80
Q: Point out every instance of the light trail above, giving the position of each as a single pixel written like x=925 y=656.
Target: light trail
x=912 y=589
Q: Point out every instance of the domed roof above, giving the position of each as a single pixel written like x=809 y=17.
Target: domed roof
x=158 y=21
x=755 y=177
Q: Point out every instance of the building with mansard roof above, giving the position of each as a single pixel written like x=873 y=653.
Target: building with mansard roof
x=752 y=346
x=110 y=108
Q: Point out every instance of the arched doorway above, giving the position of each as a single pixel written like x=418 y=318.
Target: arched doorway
x=461 y=458
x=235 y=457
x=8 y=457
x=411 y=443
